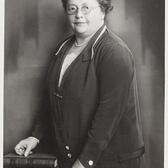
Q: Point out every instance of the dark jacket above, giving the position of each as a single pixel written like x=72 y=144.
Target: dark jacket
x=95 y=112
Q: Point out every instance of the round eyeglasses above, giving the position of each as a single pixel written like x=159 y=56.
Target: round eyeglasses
x=73 y=9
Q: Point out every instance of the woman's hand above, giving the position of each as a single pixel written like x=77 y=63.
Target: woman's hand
x=78 y=164
x=25 y=146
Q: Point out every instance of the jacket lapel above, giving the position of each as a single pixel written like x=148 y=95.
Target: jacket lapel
x=88 y=52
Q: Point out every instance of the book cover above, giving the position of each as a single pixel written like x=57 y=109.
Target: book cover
x=36 y=160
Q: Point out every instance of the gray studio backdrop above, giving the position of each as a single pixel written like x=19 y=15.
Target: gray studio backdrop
x=32 y=30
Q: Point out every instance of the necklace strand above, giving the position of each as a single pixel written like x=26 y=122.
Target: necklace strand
x=80 y=45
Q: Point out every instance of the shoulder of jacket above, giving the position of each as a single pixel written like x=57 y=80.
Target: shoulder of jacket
x=112 y=40
x=112 y=44
x=113 y=50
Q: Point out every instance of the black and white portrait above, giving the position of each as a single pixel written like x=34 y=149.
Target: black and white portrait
x=84 y=82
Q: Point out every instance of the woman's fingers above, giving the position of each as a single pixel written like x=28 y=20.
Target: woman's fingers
x=19 y=149
x=28 y=150
x=23 y=151
x=25 y=146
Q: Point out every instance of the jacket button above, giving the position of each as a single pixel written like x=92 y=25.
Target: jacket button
x=54 y=93
x=69 y=155
x=90 y=163
x=57 y=95
x=67 y=147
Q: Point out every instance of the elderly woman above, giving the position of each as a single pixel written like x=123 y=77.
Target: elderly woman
x=91 y=96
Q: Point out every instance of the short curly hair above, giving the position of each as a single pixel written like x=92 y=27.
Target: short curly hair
x=105 y=5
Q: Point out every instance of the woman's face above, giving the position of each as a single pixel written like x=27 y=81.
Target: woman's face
x=85 y=16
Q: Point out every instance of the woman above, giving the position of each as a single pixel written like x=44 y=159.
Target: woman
x=91 y=95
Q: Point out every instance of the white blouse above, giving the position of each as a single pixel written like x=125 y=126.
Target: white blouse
x=67 y=62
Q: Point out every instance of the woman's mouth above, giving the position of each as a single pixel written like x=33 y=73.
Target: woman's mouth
x=80 y=23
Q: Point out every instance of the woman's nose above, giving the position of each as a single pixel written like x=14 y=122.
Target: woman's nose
x=79 y=14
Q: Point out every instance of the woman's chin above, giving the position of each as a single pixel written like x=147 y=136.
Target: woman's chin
x=80 y=31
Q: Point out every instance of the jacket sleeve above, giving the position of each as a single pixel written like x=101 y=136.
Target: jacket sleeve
x=41 y=121
x=115 y=74
x=42 y=118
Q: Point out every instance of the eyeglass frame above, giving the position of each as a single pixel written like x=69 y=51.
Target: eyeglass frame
x=77 y=9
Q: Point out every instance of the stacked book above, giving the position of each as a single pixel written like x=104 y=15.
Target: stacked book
x=37 y=160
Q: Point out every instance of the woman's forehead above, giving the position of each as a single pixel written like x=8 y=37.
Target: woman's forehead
x=80 y=2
